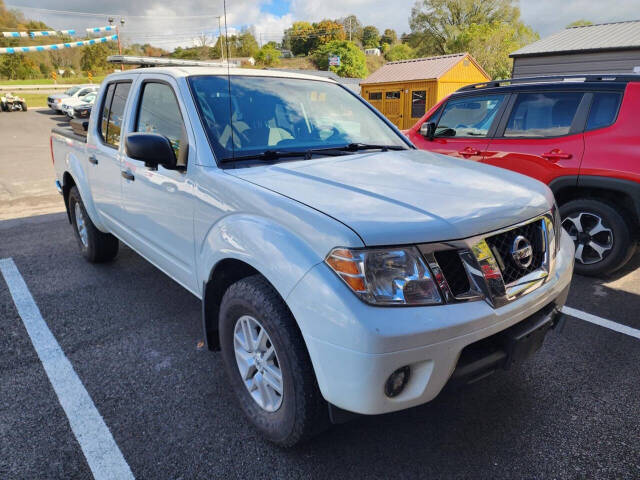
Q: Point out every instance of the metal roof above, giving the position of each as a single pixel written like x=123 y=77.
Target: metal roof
x=429 y=68
x=603 y=36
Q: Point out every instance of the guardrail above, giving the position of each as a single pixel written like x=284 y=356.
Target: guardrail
x=35 y=88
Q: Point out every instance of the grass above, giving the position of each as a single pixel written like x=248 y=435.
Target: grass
x=299 y=63
x=34 y=100
x=49 y=81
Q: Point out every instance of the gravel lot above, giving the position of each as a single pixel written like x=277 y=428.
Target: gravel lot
x=132 y=337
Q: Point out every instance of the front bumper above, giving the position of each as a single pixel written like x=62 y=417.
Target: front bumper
x=354 y=347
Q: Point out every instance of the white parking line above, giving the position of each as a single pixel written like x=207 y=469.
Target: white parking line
x=100 y=449
x=603 y=322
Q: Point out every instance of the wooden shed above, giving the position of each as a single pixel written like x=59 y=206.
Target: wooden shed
x=403 y=91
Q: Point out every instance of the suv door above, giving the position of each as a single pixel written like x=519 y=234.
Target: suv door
x=159 y=203
x=103 y=157
x=541 y=134
x=464 y=126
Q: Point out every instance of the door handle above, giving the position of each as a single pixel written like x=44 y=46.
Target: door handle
x=93 y=160
x=556 y=154
x=127 y=175
x=469 y=151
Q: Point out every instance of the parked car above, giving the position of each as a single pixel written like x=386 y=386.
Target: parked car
x=82 y=110
x=12 y=103
x=577 y=134
x=68 y=104
x=341 y=270
x=55 y=101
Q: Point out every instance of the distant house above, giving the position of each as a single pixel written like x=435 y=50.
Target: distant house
x=372 y=52
x=602 y=48
x=239 y=61
x=403 y=91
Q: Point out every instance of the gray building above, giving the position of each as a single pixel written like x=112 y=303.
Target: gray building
x=602 y=48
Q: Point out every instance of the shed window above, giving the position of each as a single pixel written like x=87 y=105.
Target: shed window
x=375 y=95
x=418 y=103
x=392 y=95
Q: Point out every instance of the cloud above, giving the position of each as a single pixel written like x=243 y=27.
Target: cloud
x=162 y=23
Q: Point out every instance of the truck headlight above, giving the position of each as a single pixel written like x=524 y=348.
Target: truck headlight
x=389 y=276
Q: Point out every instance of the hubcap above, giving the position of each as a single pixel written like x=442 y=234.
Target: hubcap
x=258 y=363
x=592 y=238
x=81 y=225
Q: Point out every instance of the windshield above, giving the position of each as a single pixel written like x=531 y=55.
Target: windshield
x=89 y=97
x=284 y=114
x=72 y=90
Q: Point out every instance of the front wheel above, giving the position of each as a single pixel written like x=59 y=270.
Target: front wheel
x=96 y=246
x=601 y=236
x=267 y=363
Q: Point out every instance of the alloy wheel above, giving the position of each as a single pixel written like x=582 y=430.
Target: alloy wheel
x=258 y=363
x=81 y=225
x=592 y=238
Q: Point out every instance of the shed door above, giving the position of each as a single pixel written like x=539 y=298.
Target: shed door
x=392 y=106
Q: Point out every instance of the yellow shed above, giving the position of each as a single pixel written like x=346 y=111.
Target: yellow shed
x=403 y=91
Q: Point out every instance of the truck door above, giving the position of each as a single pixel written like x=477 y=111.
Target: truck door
x=103 y=157
x=159 y=203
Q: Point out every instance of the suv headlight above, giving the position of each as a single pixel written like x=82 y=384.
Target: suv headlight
x=389 y=276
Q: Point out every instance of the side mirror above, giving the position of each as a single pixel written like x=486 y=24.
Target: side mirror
x=428 y=130
x=151 y=148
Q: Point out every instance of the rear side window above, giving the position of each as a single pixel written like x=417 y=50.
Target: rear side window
x=113 y=113
x=546 y=114
x=106 y=108
x=468 y=117
x=159 y=113
x=604 y=108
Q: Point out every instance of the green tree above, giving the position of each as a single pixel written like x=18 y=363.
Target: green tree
x=327 y=31
x=435 y=23
x=94 y=57
x=268 y=55
x=352 y=28
x=491 y=43
x=389 y=36
x=248 y=46
x=400 y=51
x=370 y=37
x=353 y=62
x=580 y=23
x=299 y=37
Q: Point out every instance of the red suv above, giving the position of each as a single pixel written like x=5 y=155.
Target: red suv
x=580 y=135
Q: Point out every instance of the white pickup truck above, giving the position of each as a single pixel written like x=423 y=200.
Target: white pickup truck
x=341 y=271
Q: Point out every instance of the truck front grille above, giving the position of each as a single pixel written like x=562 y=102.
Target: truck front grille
x=502 y=246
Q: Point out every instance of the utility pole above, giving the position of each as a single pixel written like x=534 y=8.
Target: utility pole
x=220 y=39
x=118 y=34
x=349 y=28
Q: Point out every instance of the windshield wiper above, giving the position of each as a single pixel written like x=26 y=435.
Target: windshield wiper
x=356 y=147
x=271 y=155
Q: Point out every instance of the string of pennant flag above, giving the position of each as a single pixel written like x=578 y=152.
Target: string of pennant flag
x=52 y=33
x=59 y=46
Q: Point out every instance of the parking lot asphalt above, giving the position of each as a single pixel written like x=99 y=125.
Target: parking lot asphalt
x=133 y=337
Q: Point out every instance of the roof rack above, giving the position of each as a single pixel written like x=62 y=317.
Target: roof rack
x=160 y=62
x=590 y=77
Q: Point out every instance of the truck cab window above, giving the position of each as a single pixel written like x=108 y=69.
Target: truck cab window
x=113 y=112
x=159 y=113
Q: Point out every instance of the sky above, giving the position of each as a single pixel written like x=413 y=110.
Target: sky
x=167 y=23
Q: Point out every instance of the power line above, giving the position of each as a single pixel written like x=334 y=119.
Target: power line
x=90 y=14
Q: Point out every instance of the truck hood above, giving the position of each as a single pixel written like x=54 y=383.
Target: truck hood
x=402 y=197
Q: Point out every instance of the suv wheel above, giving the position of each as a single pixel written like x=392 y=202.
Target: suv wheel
x=267 y=363
x=95 y=245
x=601 y=236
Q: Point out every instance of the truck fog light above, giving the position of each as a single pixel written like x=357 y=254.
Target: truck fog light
x=397 y=381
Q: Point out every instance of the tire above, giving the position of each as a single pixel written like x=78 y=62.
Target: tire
x=96 y=247
x=302 y=412
x=24 y=106
x=614 y=239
